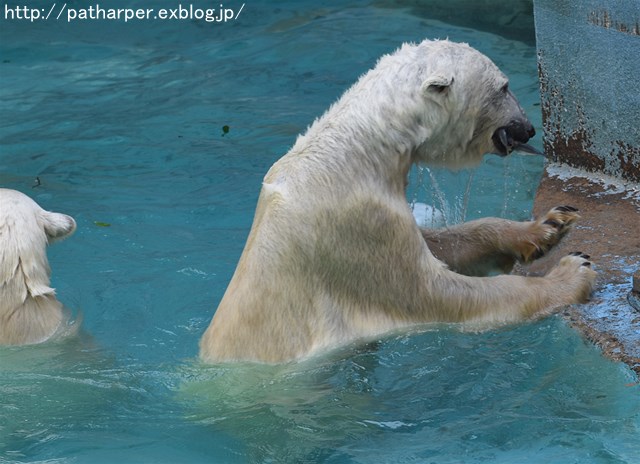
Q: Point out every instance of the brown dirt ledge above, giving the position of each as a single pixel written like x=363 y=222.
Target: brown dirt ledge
x=608 y=231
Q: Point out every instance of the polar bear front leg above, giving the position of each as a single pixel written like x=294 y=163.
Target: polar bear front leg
x=512 y=298
x=489 y=244
x=571 y=281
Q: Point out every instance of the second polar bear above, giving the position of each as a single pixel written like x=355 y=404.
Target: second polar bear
x=334 y=253
x=29 y=310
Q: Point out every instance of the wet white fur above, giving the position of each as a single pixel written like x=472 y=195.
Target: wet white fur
x=29 y=310
x=334 y=253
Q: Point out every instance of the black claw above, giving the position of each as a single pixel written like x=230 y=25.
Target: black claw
x=552 y=223
x=566 y=209
x=575 y=253
x=586 y=263
x=585 y=256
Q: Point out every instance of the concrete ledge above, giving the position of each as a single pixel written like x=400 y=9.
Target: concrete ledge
x=588 y=67
x=609 y=231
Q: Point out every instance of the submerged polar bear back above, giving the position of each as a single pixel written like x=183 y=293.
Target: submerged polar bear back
x=29 y=312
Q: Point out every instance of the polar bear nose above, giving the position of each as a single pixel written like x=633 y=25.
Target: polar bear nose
x=530 y=130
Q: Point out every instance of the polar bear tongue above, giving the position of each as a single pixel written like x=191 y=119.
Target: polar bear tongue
x=526 y=148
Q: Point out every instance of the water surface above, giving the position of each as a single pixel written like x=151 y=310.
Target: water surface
x=122 y=125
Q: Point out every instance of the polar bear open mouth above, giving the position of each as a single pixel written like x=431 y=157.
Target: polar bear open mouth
x=513 y=137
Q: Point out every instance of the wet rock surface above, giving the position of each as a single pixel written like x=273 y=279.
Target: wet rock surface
x=608 y=231
x=634 y=294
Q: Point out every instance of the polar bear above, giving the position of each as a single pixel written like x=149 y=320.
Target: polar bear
x=29 y=310
x=334 y=254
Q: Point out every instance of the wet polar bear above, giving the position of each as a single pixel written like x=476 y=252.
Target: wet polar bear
x=334 y=253
x=29 y=310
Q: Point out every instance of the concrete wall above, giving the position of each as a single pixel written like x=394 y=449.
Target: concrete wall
x=589 y=66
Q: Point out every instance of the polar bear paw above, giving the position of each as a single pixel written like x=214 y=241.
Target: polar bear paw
x=547 y=231
x=573 y=278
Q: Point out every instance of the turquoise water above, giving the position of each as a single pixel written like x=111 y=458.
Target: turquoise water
x=123 y=126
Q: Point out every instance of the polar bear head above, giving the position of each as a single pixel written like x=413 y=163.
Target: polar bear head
x=25 y=231
x=451 y=102
x=478 y=114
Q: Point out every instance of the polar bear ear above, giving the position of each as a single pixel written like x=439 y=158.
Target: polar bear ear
x=57 y=226
x=437 y=84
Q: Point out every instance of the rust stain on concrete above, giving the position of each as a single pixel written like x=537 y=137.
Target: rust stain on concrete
x=570 y=134
x=605 y=19
x=625 y=153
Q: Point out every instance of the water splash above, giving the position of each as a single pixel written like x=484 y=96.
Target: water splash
x=450 y=207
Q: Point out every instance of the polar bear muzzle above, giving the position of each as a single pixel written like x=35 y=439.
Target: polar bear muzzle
x=514 y=137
